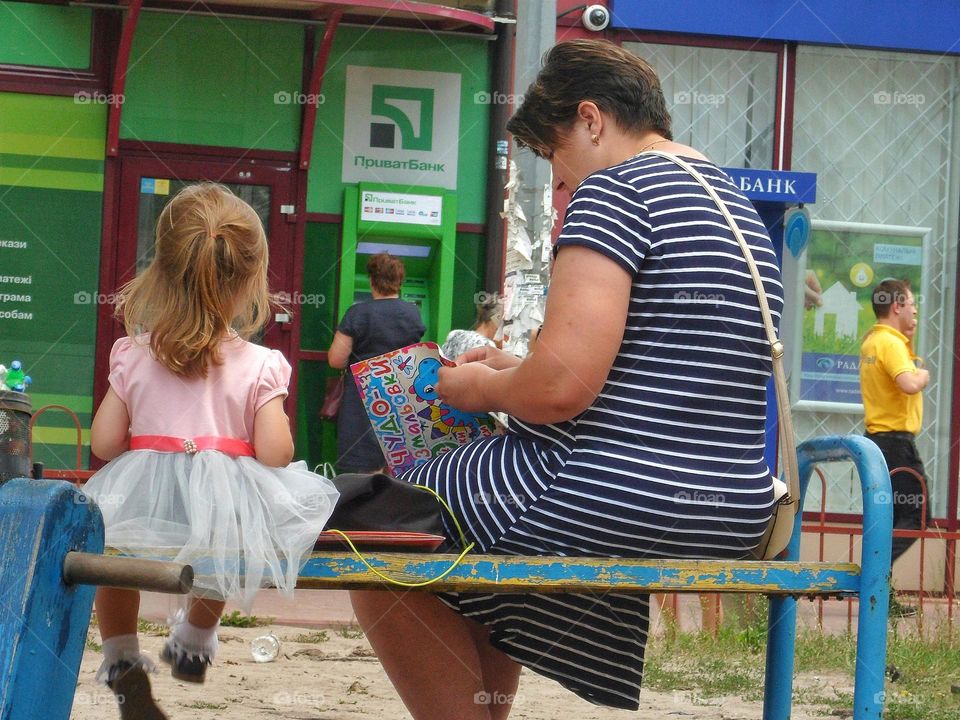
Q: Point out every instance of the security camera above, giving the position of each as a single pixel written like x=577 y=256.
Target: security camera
x=596 y=18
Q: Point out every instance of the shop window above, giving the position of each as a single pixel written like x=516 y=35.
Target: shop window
x=53 y=50
x=878 y=129
x=214 y=81
x=45 y=36
x=723 y=100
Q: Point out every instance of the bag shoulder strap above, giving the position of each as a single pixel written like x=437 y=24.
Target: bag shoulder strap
x=788 y=448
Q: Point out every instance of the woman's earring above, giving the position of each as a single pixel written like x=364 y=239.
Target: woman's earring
x=595 y=139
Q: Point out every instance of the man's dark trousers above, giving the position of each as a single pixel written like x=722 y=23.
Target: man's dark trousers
x=900 y=451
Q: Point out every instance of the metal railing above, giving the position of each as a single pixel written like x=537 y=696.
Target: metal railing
x=937 y=605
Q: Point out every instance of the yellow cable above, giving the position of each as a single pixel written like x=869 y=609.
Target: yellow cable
x=401 y=583
x=423 y=583
x=456 y=523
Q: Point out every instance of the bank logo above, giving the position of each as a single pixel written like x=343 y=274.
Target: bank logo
x=410 y=110
x=401 y=126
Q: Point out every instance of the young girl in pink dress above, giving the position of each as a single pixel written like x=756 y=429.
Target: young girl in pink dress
x=198 y=442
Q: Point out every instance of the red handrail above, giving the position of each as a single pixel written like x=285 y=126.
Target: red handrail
x=77 y=474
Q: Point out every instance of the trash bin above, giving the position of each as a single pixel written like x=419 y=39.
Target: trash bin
x=15 y=413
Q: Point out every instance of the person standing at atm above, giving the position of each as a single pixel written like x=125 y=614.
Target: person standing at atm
x=370 y=328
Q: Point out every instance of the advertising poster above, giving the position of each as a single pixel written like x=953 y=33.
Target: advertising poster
x=844 y=263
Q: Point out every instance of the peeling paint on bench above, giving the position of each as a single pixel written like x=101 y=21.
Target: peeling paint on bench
x=506 y=573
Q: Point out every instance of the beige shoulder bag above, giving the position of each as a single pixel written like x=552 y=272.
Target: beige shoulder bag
x=786 y=495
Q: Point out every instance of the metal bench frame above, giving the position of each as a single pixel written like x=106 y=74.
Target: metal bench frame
x=43 y=522
x=783 y=581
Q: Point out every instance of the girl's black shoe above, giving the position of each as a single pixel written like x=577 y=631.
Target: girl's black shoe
x=187 y=667
x=131 y=685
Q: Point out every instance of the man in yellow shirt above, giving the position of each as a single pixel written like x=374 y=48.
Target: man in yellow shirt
x=891 y=380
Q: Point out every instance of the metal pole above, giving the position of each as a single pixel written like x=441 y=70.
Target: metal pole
x=80 y=568
x=530 y=209
x=536 y=33
x=500 y=91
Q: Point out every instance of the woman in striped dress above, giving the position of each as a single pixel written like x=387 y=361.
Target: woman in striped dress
x=637 y=422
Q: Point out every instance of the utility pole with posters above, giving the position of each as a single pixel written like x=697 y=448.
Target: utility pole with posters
x=528 y=209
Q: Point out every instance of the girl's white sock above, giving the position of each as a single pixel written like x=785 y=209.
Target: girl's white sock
x=124 y=648
x=121 y=647
x=194 y=640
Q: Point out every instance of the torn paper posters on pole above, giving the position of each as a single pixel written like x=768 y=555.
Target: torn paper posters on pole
x=527 y=268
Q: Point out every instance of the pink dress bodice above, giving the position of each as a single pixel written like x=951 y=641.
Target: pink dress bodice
x=222 y=404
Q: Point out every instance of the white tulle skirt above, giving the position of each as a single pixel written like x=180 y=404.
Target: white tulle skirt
x=241 y=524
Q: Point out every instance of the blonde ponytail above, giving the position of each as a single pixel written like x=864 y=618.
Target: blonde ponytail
x=209 y=274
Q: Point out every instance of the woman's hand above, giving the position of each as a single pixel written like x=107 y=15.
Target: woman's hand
x=464 y=387
x=490 y=356
x=812 y=292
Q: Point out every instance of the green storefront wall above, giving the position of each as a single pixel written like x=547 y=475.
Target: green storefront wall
x=197 y=81
x=464 y=56
x=45 y=35
x=234 y=83
x=211 y=81
x=51 y=193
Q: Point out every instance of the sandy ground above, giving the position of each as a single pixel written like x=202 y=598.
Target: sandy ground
x=340 y=679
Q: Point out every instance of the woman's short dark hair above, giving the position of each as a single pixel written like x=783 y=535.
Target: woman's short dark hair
x=386 y=273
x=619 y=82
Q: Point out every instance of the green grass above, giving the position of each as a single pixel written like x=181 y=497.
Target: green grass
x=145 y=627
x=350 y=633
x=702 y=667
x=203 y=705
x=239 y=620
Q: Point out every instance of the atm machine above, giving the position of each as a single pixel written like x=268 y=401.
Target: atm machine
x=418 y=225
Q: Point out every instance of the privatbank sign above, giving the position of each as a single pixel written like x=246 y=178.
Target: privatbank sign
x=401 y=127
x=775 y=185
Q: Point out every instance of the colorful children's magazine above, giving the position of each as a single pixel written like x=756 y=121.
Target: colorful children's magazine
x=412 y=425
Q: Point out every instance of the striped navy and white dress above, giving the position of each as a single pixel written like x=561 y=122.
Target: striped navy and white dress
x=667 y=461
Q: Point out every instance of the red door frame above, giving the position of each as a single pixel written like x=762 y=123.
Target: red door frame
x=118 y=251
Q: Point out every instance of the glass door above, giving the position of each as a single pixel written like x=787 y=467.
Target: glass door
x=156 y=192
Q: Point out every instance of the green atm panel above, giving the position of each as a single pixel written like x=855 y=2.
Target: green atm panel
x=417 y=225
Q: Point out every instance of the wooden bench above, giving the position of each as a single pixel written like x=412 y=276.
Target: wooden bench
x=783 y=581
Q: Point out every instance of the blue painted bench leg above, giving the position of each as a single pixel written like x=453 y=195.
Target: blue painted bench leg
x=781 y=642
x=868 y=694
x=874 y=584
x=43 y=622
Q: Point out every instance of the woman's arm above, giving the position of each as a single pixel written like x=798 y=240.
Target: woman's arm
x=583 y=327
x=339 y=353
x=272 y=441
x=110 y=431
